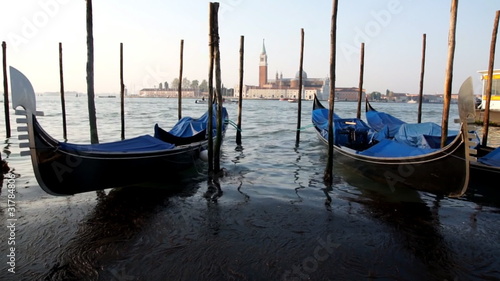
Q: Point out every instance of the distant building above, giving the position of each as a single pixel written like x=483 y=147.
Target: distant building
x=347 y=94
x=414 y=98
x=288 y=88
x=398 y=97
x=168 y=93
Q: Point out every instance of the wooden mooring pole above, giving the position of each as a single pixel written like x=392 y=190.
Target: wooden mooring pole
x=240 y=90
x=218 y=89
x=179 y=99
x=94 y=138
x=211 y=44
x=449 y=72
x=422 y=72
x=361 y=74
x=63 y=103
x=301 y=67
x=122 y=93
x=5 y=90
x=328 y=175
x=486 y=120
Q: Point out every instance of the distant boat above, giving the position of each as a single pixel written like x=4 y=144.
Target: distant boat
x=412 y=101
x=283 y=99
x=229 y=101
x=292 y=100
x=494 y=107
x=107 y=96
x=204 y=101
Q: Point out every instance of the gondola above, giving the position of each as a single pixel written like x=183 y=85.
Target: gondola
x=485 y=166
x=484 y=160
x=439 y=171
x=63 y=168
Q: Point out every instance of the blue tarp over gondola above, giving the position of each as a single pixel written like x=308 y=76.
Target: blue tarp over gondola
x=383 y=122
x=185 y=131
x=348 y=131
x=391 y=148
x=492 y=158
x=423 y=135
x=409 y=140
x=188 y=126
x=138 y=144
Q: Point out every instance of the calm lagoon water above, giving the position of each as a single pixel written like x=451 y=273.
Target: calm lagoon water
x=273 y=218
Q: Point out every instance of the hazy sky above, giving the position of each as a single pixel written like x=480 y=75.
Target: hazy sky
x=151 y=32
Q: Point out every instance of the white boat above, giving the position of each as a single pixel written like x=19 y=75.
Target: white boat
x=494 y=116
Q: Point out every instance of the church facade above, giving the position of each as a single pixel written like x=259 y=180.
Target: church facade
x=288 y=88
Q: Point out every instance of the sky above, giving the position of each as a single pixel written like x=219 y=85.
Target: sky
x=151 y=32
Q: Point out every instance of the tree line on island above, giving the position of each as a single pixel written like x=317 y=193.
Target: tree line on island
x=195 y=85
x=186 y=84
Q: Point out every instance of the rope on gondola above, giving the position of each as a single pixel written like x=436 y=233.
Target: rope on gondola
x=232 y=123
x=305 y=127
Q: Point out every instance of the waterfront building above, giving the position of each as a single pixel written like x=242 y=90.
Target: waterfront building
x=288 y=88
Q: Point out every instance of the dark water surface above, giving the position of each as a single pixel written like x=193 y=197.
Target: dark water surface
x=272 y=218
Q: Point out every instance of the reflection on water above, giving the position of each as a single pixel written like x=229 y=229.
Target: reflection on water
x=269 y=217
x=417 y=229
x=493 y=139
x=108 y=233
x=494 y=136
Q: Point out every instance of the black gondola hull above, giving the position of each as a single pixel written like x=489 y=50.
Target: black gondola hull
x=481 y=175
x=444 y=172
x=67 y=168
x=61 y=172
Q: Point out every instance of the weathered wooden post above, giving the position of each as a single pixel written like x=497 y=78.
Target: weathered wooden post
x=179 y=90
x=218 y=90
x=361 y=74
x=63 y=103
x=301 y=64
x=240 y=96
x=328 y=175
x=122 y=92
x=5 y=90
x=90 y=76
x=422 y=71
x=486 y=120
x=211 y=43
x=449 y=72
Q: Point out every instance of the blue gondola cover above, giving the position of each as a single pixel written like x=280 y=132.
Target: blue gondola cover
x=143 y=143
x=492 y=158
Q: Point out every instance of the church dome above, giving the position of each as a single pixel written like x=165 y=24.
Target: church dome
x=304 y=75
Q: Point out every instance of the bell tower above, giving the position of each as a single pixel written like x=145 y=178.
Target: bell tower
x=263 y=66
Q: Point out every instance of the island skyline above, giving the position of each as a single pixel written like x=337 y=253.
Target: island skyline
x=151 y=33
